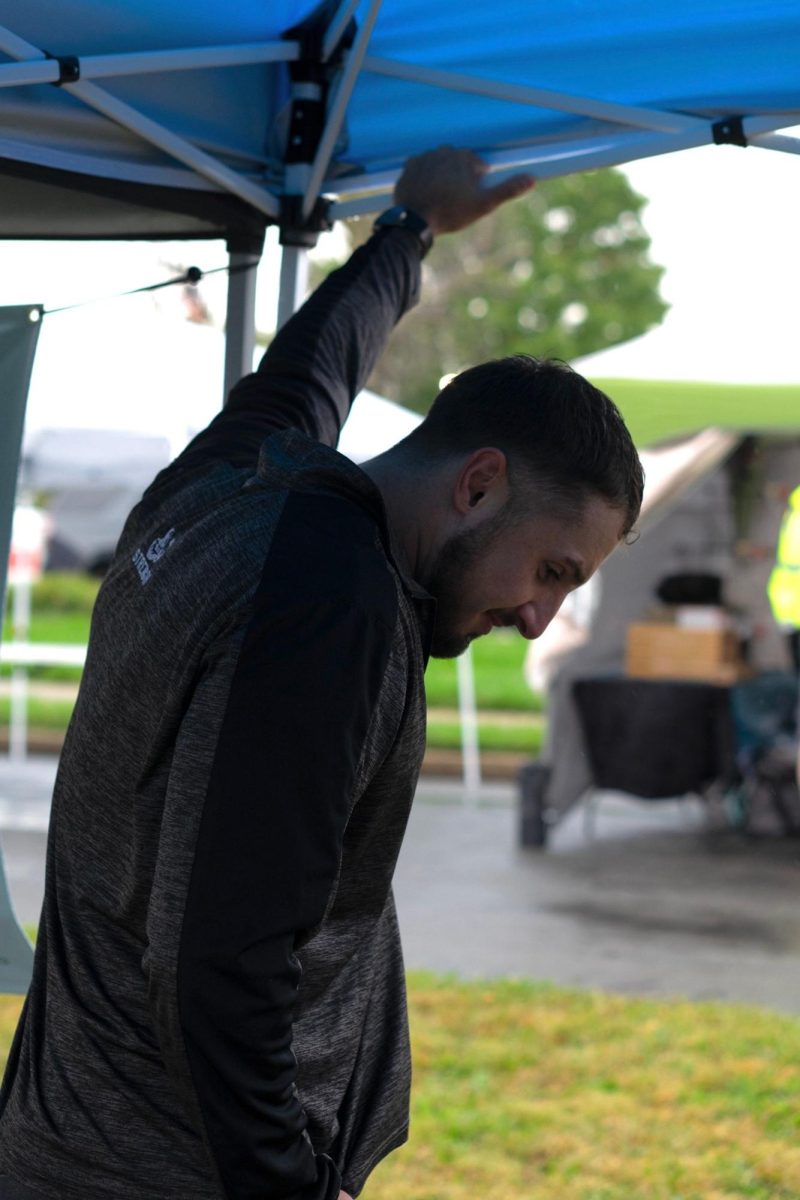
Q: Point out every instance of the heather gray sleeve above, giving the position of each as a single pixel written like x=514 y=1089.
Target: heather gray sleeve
x=321 y=358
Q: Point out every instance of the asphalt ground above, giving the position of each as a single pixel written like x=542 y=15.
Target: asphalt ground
x=662 y=900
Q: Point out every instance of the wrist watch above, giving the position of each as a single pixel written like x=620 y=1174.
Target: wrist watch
x=401 y=217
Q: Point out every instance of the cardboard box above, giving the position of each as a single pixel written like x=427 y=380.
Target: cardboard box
x=659 y=650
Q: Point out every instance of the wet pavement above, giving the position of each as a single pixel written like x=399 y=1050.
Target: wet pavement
x=661 y=901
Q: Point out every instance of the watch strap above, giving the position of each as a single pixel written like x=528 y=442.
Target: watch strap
x=401 y=217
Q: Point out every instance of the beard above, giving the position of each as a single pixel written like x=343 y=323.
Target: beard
x=448 y=583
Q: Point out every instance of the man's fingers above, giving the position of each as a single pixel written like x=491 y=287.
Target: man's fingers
x=517 y=185
x=448 y=188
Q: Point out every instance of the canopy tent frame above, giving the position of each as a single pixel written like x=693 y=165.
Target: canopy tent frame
x=74 y=73
x=589 y=154
x=302 y=196
x=70 y=76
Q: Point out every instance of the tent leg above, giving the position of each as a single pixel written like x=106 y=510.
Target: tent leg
x=19 y=333
x=293 y=282
x=240 y=324
x=10 y=450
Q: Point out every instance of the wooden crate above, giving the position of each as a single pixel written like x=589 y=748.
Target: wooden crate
x=659 y=650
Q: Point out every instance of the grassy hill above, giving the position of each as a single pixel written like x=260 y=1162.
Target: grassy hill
x=656 y=410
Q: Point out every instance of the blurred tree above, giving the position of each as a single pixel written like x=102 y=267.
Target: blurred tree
x=561 y=273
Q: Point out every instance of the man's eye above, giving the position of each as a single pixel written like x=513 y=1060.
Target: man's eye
x=553 y=573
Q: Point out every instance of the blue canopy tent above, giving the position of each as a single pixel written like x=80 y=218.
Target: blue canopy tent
x=155 y=119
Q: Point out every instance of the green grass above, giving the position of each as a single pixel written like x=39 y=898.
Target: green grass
x=519 y=738
x=56 y=627
x=42 y=714
x=524 y=1091
x=498 y=664
x=47 y=626
x=46 y=674
x=66 y=591
x=62 y=603
x=499 y=683
x=658 y=409
x=54 y=714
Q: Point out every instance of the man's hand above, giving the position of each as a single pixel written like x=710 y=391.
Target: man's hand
x=344 y=1196
x=445 y=186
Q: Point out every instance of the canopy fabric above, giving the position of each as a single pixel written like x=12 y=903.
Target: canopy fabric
x=176 y=120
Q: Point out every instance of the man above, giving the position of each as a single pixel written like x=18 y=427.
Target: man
x=218 y=999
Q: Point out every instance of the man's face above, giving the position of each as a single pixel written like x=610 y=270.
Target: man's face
x=516 y=574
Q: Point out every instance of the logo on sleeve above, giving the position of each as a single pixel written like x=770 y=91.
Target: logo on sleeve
x=142 y=559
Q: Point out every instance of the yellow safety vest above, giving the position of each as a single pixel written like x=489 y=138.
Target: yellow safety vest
x=783 y=588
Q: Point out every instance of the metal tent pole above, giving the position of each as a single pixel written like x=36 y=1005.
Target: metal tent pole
x=293 y=281
x=240 y=321
x=552 y=159
x=777 y=141
x=603 y=110
x=334 y=118
x=151 y=131
x=104 y=66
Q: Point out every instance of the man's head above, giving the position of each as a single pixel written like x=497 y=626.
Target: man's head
x=543 y=481
x=563 y=438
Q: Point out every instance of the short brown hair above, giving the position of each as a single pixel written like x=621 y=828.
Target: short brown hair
x=557 y=430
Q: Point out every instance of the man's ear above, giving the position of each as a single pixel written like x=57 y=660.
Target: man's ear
x=482 y=482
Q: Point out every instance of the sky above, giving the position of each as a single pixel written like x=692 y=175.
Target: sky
x=723 y=222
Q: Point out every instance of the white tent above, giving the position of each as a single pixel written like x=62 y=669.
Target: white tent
x=689 y=524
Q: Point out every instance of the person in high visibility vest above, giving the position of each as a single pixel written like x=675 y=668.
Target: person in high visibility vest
x=783 y=588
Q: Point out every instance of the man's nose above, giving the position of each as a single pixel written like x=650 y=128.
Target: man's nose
x=532 y=619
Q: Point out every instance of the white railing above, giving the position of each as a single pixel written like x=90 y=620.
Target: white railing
x=20 y=656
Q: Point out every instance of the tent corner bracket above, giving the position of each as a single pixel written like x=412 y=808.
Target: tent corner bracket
x=69 y=68
x=729 y=132
x=324 y=38
x=297 y=231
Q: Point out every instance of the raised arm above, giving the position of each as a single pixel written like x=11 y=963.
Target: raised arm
x=323 y=356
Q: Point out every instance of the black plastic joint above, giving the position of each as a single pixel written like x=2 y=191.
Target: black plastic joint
x=729 y=132
x=306 y=123
x=297 y=232
x=69 y=68
x=246 y=241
